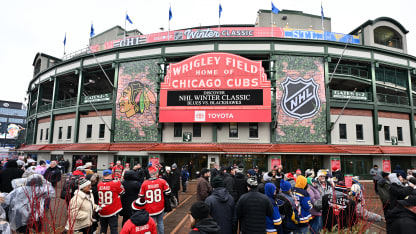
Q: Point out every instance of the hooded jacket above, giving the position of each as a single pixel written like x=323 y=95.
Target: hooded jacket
x=229 y=184
x=240 y=185
x=7 y=175
x=397 y=190
x=81 y=208
x=338 y=210
x=221 y=206
x=205 y=226
x=139 y=223
x=303 y=200
x=315 y=195
x=131 y=192
x=383 y=190
x=275 y=220
x=400 y=221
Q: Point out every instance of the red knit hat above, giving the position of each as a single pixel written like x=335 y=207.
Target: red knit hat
x=152 y=170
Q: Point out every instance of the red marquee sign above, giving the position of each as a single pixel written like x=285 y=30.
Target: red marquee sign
x=215 y=87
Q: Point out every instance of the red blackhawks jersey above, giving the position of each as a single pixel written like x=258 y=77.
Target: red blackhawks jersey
x=148 y=228
x=117 y=172
x=109 y=197
x=153 y=191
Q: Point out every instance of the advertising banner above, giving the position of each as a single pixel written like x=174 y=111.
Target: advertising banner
x=276 y=161
x=154 y=159
x=386 y=165
x=335 y=163
x=225 y=32
x=136 y=101
x=215 y=87
x=300 y=100
x=348 y=180
x=341 y=94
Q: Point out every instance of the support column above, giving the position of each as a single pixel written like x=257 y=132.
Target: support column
x=52 y=116
x=77 y=114
x=114 y=99
x=35 y=127
x=412 y=111
x=328 y=100
x=376 y=134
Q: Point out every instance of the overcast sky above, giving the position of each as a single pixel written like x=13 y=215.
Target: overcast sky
x=31 y=26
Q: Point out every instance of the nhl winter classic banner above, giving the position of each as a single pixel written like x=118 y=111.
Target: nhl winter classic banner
x=301 y=101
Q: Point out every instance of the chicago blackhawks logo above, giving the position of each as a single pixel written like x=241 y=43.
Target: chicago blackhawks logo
x=300 y=99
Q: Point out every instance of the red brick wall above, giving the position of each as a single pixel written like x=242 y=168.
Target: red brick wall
x=392 y=115
x=65 y=116
x=44 y=120
x=94 y=113
x=354 y=112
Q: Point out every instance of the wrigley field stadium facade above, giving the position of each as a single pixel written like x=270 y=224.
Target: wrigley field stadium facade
x=290 y=94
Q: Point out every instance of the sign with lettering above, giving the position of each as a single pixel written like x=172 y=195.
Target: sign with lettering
x=386 y=164
x=342 y=94
x=225 y=32
x=300 y=99
x=215 y=87
x=97 y=98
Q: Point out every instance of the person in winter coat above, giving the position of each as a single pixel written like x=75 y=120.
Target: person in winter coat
x=176 y=181
x=221 y=207
x=324 y=186
x=383 y=185
x=337 y=174
x=337 y=209
x=7 y=175
x=228 y=177
x=303 y=201
x=140 y=222
x=131 y=193
x=26 y=202
x=240 y=183
x=252 y=209
x=203 y=188
x=267 y=178
x=139 y=173
x=53 y=173
x=184 y=178
x=274 y=223
x=360 y=209
x=41 y=168
x=403 y=218
x=201 y=223
x=315 y=195
x=398 y=170
x=81 y=209
x=397 y=190
x=288 y=211
x=374 y=172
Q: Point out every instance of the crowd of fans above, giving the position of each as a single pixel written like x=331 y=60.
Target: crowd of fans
x=230 y=200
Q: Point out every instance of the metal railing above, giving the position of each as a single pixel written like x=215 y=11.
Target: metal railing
x=66 y=103
x=76 y=53
x=44 y=108
x=343 y=69
x=392 y=99
x=32 y=111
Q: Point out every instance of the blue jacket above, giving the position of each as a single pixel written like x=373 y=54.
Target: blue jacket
x=275 y=220
x=303 y=200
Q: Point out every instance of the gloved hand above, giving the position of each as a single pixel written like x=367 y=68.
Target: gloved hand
x=99 y=208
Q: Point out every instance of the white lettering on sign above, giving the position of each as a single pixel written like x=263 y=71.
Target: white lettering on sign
x=220 y=116
x=197 y=63
x=241 y=65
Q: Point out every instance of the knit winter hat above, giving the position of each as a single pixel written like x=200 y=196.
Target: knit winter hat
x=152 y=171
x=83 y=183
x=285 y=185
x=252 y=182
x=251 y=172
x=174 y=166
x=267 y=177
x=311 y=180
x=199 y=210
x=217 y=182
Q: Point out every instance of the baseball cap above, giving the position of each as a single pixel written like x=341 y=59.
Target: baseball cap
x=107 y=172
x=408 y=201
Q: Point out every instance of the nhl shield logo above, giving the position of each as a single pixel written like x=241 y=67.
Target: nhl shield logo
x=300 y=99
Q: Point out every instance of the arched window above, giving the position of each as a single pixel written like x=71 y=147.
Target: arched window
x=37 y=67
x=388 y=37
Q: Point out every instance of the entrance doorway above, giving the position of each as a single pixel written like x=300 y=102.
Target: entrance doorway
x=249 y=161
x=199 y=161
x=293 y=162
x=404 y=162
x=85 y=159
x=132 y=160
x=357 y=166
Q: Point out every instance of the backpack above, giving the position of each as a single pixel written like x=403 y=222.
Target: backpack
x=70 y=185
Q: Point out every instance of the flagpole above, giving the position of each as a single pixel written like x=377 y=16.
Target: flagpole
x=170 y=10
x=219 y=17
x=125 y=27
x=64 y=44
x=271 y=21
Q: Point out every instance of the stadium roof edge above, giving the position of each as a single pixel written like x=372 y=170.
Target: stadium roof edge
x=384 y=18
